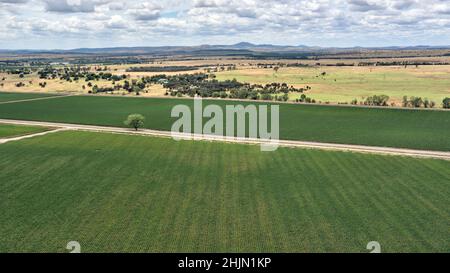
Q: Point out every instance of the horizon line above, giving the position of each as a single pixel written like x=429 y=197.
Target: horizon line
x=235 y=44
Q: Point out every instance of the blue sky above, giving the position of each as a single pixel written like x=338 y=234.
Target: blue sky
x=63 y=24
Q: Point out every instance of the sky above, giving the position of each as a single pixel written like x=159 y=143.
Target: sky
x=66 y=24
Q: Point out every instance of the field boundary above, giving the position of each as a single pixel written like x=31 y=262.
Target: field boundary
x=35 y=99
x=272 y=102
x=282 y=143
x=227 y=99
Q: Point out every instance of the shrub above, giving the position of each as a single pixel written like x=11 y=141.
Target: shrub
x=446 y=103
x=377 y=100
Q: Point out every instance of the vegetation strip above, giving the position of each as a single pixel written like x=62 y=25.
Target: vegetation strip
x=293 y=144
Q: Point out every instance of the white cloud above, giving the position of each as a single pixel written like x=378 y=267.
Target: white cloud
x=14 y=1
x=117 y=22
x=145 y=11
x=117 y=6
x=69 y=6
x=366 y=5
x=321 y=22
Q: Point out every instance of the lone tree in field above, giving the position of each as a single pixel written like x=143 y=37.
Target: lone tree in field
x=135 y=121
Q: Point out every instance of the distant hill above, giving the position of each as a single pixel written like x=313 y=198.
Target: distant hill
x=239 y=49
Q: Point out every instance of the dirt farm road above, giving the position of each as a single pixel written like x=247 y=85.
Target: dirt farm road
x=281 y=143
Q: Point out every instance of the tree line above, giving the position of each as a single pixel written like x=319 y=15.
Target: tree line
x=163 y=68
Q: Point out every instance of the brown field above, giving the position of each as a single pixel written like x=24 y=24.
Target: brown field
x=341 y=85
x=60 y=86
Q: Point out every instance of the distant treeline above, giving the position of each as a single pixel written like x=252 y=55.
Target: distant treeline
x=111 y=60
x=163 y=68
x=396 y=63
x=393 y=63
x=408 y=102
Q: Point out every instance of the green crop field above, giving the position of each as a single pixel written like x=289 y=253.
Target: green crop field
x=116 y=193
x=426 y=130
x=6 y=96
x=7 y=130
x=343 y=84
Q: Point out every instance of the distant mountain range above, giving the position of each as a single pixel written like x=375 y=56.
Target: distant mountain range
x=242 y=48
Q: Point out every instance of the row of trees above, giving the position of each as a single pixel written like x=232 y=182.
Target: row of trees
x=410 y=102
x=401 y=63
x=162 y=68
x=418 y=102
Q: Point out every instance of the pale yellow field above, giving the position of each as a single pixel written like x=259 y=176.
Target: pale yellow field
x=254 y=62
x=343 y=84
x=339 y=85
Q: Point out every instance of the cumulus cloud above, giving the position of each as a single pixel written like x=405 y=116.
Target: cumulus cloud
x=443 y=8
x=145 y=11
x=69 y=6
x=366 y=5
x=403 y=4
x=322 y=22
x=206 y=3
x=117 y=22
x=14 y=1
x=117 y=6
x=146 y=15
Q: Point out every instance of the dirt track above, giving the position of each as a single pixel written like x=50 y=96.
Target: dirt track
x=282 y=143
x=5 y=140
x=25 y=100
